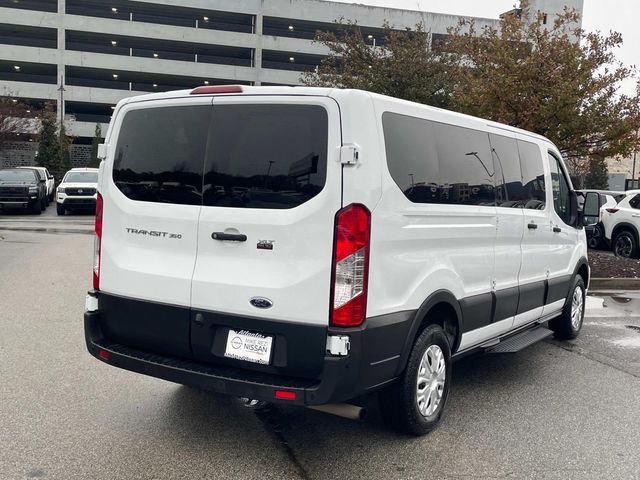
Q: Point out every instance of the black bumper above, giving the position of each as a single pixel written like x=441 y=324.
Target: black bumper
x=374 y=360
x=71 y=202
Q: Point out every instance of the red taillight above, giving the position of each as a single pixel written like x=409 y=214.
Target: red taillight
x=350 y=268
x=103 y=354
x=612 y=210
x=286 y=395
x=216 y=89
x=97 y=244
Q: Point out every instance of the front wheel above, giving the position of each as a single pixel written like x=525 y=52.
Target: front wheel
x=415 y=402
x=625 y=245
x=60 y=210
x=595 y=239
x=37 y=207
x=567 y=326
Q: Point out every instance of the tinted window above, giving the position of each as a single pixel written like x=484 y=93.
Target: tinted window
x=438 y=163
x=560 y=189
x=510 y=191
x=160 y=153
x=532 y=175
x=635 y=202
x=265 y=156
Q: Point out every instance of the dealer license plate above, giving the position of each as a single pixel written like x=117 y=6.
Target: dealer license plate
x=249 y=346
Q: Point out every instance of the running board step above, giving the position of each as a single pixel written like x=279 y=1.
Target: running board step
x=521 y=341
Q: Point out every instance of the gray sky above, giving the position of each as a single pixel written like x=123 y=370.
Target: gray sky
x=617 y=15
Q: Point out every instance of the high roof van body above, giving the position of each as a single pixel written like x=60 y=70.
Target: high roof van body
x=309 y=246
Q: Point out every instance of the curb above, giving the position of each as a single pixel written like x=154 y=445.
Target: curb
x=614 y=284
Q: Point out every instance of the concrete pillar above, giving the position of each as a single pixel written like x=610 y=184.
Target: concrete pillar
x=257 y=56
x=60 y=107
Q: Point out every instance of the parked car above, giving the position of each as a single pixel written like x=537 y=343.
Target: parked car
x=22 y=188
x=77 y=191
x=50 y=181
x=606 y=199
x=343 y=283
x=622 y=225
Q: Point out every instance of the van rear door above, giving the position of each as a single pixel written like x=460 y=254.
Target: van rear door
x=272 y=187
x=152 y=190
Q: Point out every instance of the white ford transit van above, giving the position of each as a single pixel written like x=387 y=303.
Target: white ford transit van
x=309 y=246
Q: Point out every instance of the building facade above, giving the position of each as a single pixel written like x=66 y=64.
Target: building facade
x=85 y=55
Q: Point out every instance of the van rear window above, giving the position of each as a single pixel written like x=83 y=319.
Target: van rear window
x=245 y=156
x=265 y=156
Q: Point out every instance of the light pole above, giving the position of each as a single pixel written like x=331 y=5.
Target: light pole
x=635 y=154
x=61 y=90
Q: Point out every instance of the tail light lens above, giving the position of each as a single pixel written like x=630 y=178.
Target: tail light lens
x=612 y=210
x=350 y=269
x=97 y=244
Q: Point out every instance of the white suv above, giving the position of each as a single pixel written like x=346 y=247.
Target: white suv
x=622 y=225
x=308 y=246
x=77 y=191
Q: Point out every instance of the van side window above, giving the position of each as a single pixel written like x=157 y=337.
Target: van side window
x=560 y=189
x=532 y=175
x=159 y=154
x=265 y=156
x=510 y=192
x=434 y=162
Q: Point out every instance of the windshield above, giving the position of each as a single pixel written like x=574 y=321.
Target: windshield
x=17 y=176
x=81 y=177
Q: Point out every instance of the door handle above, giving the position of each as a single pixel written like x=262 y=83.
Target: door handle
x=557 y=229
x=532 y=226
x=232 y=237
x=635 y=215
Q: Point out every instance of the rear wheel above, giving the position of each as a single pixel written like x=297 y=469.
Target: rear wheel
x=415 y=402
x=625 y=245
x=567 y=326
x=60 y=209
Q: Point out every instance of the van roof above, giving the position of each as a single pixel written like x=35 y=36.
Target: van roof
x=323 y=92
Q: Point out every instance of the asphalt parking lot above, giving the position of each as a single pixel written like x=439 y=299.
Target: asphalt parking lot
x=555 y=410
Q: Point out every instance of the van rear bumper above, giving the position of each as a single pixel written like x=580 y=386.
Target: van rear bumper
x=341 y=378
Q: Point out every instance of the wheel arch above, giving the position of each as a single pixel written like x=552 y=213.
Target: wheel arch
x=439 y=305
x=582 y=269
x=624 y=226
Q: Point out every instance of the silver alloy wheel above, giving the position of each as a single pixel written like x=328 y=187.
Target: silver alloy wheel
x=576 y=307
x=430 y=381
x=624 y=245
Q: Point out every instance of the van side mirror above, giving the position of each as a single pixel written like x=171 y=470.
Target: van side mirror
x=42 y=180
x=591 y=209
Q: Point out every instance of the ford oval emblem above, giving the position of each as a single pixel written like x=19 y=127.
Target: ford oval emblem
x=261 y=302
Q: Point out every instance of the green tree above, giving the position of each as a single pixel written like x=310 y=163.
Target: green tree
x=555 y=80
x=94 y=161
x=597 y=174
x=49 y=143
x=401 y=65
x=65 y=150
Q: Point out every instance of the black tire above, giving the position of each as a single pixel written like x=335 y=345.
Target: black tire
x=60 y=210
x=625 y=244
x=563 y=326
x=595 y=240
x=399 y=401
x=37 y=207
